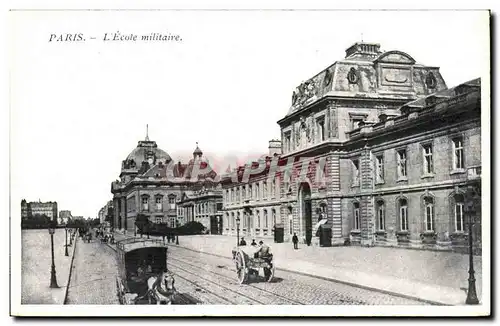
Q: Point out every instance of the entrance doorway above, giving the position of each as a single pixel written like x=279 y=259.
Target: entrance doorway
x=306 y=211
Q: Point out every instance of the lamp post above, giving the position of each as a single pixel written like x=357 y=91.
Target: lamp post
x=177 y=231
x=237 y=231
x=471 y=212
x=66 y=241
x=53 y=280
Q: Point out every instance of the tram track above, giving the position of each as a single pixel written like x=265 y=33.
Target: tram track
x=231 y=279
x=244 y=298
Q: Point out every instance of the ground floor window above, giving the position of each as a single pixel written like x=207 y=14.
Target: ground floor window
x=356 y=217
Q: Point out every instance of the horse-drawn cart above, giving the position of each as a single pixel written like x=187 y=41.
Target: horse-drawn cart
x=143 y=276
x=246 y=265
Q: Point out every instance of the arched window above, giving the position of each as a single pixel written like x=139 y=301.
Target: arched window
x=266 y=222
x=257 y=217
x=264 y=190
x=274 y=217
x=429 y=213
x=380 y=215
x=237 y=194
x=356 y=217
x=257 y=191
x=459 y=213
x=403 y=214
x=273 y=188
x=250 y=191
x=290 y=219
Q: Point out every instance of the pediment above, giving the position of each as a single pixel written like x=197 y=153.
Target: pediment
x=395 y=57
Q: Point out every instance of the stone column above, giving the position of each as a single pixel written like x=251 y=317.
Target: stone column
x=123 y=213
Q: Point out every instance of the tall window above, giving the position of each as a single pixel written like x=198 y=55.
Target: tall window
x=355 y=172
x=237 y=194
x=290 y=219
x=356 y=217
x=403 y=215
x=379 y=168
x=459 y=213
x=145 y=203
x=250 y=191
x=381 y=215
x=429 y=214
x=458 y=153
x=171 y=202
x=321 y=129
x=401 y=158
x=288 y=141
x=257 y=191
x=266 y=222
x=274 y=216
x=257 y=215
x=264 y=190
x=428 y=164
x=159 y=205
x=273 y=188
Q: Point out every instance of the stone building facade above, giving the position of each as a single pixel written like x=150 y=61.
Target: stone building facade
x=29 y=209
x=151 y=184
x=204 y=206
x=375 y=148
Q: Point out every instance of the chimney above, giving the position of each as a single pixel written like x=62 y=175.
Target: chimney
x=274 y=147
x=363 y=50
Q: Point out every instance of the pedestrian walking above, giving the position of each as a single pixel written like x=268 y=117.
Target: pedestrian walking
x=295 y=241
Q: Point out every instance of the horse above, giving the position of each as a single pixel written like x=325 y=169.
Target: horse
x=161 y=288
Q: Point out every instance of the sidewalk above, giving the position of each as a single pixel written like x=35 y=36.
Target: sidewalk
x=437 y=277
x=36 y=266
x=429 y=276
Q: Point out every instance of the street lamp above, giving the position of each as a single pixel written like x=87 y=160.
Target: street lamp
x=237 y=231
x=53 y=280
x=471 y=212
x=66 y=241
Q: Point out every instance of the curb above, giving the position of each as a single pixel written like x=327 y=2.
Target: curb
x=336 y=281
x=70 y=270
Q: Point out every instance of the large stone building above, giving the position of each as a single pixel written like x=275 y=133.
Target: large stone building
x=151 y=184
x=376 y=149
x=29 y=209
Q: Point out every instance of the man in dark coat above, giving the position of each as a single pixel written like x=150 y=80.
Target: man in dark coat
x=295 y=241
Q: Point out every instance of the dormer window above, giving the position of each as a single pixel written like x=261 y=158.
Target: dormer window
x=430 y=80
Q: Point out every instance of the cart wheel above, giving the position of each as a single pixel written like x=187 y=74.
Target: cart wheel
x=241 y=269
x=269 y=273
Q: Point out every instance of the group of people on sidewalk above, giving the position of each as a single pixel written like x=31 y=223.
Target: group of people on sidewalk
x=295 y=241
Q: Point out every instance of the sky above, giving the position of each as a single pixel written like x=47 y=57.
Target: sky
x=77 y=109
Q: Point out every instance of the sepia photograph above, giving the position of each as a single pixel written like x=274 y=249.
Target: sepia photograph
x=249 y=163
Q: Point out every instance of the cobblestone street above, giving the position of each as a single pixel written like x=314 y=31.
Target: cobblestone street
x=212 y=280
x=93 y=280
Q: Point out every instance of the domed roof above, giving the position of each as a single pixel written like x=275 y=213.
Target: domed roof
x=146 y=151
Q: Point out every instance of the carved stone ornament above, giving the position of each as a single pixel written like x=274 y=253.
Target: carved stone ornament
x=430 y=80
x=328 y=78
x=352 y=76
x=303 y=92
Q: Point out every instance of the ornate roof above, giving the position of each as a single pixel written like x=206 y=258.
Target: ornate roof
x=147 y=151
x=367 y=72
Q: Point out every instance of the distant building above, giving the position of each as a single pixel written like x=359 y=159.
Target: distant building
x=151 y=184
x=106 y=212
x=29 y=209
x=64 y=217
x=204 y=206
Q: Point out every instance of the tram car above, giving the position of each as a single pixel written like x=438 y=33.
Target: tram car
x=143 y=276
